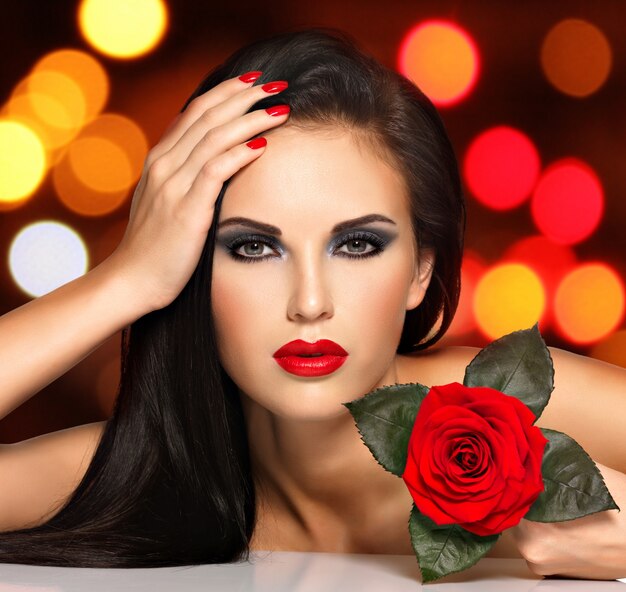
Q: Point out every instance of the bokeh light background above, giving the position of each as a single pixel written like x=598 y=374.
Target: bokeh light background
x=532 y=95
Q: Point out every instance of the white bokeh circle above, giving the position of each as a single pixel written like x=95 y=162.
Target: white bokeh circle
x=45 y=255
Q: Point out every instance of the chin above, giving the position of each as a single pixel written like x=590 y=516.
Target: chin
x=305 y=399
x=311 y=413
x=300 y=404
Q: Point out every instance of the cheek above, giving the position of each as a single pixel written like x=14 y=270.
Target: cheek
x=240 y=301
x=376 y=303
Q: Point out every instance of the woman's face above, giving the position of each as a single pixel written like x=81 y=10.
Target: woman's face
x=310 y=282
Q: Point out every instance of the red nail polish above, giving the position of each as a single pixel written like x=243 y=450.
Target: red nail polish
x=278 y=110
x=275 y=86
x=256 y=143
x=250 y=76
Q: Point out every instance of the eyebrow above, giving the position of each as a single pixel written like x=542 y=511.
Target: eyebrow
x=269 y=229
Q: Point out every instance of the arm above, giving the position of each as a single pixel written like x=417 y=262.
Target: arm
x=589 y=404
x=41 y=473
x=44 y=338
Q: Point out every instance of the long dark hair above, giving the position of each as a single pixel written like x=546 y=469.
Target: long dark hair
x=171 y=482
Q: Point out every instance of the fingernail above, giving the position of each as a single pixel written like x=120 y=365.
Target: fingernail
x=256 y=143
x=278 y=110
x=274 y=87
x=250 y=76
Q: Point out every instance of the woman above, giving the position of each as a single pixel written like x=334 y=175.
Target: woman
x=341 y=228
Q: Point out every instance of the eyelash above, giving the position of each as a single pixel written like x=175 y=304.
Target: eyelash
x=375 y=240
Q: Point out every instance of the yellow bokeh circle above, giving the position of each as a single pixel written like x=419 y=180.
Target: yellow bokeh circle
x=23 y=161
x=589 y=303
x=123 y=29
x=508 y=297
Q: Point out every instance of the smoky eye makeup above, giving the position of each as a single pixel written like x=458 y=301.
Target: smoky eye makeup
x=233 y=244
x=358 y=243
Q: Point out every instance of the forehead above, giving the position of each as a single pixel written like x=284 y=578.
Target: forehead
x=315 y=177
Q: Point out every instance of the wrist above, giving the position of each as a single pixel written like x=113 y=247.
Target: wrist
x=122 y=290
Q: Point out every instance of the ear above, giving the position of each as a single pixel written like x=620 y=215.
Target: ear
x=421 y=279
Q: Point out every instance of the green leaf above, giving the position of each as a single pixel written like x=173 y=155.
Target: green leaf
x=385 y=418
x=574 y=486
x=442 y=550
x=517 y=364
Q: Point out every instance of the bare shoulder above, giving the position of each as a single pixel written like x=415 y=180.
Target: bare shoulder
x=438 y=365
x=39 y=474
x=588 y=402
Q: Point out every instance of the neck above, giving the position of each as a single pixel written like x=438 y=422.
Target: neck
x=317 y=472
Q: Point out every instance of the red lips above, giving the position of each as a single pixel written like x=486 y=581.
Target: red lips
x=297 y=357
x=299 y=347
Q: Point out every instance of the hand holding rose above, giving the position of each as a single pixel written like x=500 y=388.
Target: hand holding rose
x=593 y=546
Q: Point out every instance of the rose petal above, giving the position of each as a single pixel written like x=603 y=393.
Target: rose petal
x=516 y=467
x=504 y=410
x=470 y=510
x=439 y=478
x=474 y=458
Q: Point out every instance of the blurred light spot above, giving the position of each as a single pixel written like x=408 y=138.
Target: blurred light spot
x=576 y=57
x=501 y=167
x=123 y=132
x=508 y=297
x=82 y=199
x=589 y=303
x=441 y=59
x=64 y=90
x=45 y=255
x=22 y=161
x=123 y=29
x=100 y=164
x=98 y=169
x=472 y=269
x=549 y=260
x=568 y=202
x=85 y=71
x=21 y=108
x=611 y=349
x=67 y=109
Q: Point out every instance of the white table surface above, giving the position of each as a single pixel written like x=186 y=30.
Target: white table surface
x=281 y=571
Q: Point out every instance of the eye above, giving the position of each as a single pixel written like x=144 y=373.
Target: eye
x=250 y=248
x=357 y=243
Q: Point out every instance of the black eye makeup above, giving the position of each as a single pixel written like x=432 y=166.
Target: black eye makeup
x=251 y=248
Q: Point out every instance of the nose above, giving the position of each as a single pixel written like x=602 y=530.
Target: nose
x=310 y=297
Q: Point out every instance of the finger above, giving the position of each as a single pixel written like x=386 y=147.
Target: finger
x=215 y=173
x=223 y=138
x=229 y=110
x=181 y=123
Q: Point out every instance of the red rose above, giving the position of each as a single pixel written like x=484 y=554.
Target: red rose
x=474 y=458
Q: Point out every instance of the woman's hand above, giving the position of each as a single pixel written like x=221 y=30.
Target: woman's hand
x=591 y=547
x=172 y=207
